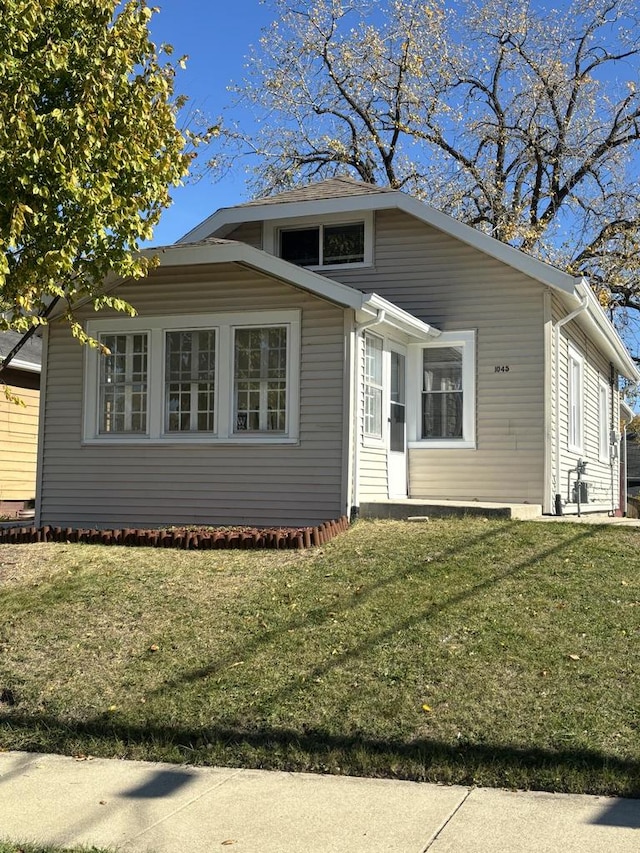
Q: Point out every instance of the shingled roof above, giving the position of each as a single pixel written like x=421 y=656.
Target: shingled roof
x=340 y=187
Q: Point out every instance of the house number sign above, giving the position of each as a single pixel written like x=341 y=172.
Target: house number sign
x=501 y=368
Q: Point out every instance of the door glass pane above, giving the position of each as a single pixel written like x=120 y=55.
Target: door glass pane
x=397 y=414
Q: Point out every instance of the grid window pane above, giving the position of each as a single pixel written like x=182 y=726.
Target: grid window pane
x=190 y=365
x=123 y=384
x=373 y=386
x=260 y=379
x=442 y=396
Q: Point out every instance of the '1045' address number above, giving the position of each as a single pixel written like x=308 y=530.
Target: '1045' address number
x=501 y=368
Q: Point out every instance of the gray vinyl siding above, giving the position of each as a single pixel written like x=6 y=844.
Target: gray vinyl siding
x=248 y=232
x=602 y=477
x=455 y=287
x=157 y=484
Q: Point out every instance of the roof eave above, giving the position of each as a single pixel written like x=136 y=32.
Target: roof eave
x=417 y=330
x=227 y=218
x=604 y=332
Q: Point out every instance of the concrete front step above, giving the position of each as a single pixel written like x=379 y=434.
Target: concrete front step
x=416 y=509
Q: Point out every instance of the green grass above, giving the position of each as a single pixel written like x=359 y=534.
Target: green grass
x=460 y=651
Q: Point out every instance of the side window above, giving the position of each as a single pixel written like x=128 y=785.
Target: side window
x=372 y=386
x=604 y=420
x=442 y=392
x=575 y=394
x=444 y=378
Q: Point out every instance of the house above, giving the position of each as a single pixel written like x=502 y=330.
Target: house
x=19 y=424
x=325 y=351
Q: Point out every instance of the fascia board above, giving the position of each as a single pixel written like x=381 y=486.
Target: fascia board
x=27 y=366
x=607 y=333
x=601 y=331
x=242 y=253
x=399 y=318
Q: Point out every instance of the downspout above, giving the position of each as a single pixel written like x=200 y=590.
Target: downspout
x=584 y=302
x=361 y=327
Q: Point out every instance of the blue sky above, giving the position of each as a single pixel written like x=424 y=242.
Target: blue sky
x=216 y=37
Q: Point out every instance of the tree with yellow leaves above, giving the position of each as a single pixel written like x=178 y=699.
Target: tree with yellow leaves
x=88 y=149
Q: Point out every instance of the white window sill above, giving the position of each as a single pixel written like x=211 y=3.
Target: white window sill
x=442 y=444
x=188 y=441
x=354 y=266
x=573 y=449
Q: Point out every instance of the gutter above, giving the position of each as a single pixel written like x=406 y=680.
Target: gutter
x=584 y=304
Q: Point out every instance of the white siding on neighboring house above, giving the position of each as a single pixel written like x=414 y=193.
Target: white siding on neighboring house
x=457 y=288
x=601 y=476
x=150 y=484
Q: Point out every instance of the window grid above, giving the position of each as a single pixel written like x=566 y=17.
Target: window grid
x=373 y=386
x=190 y=362
x=123 y=384
x=442 y=395
x=260 y=379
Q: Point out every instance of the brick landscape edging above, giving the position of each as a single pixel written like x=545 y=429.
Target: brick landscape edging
x=197 y=539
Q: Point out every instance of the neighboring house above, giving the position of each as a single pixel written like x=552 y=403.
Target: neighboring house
x=19 y=424
x=302 y=356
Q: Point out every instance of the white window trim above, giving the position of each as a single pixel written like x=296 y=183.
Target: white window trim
x=467 y=341
x=573 y=356
x=225 y=325
x=604 y=424
x=272 y=229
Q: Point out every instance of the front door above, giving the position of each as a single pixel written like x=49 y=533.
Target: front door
x=397 y=453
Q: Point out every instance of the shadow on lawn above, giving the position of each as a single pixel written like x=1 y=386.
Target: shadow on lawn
x=318 y=616
x=315 y=749
x=424 y=760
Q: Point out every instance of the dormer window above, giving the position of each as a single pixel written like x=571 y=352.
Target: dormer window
x=324 y=245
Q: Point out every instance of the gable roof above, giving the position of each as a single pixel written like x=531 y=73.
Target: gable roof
x=347 y=195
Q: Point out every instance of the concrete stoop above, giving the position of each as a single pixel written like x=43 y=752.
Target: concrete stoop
x=411 y=509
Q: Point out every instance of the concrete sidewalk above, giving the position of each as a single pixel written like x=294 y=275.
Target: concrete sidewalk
x=136 y=806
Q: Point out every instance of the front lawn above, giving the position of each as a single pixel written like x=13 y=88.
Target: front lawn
x=467 y=651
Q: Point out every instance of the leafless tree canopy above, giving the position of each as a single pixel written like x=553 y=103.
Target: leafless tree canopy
x=520 y=119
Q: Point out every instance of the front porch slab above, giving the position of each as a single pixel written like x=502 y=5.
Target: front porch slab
x=419 y=509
